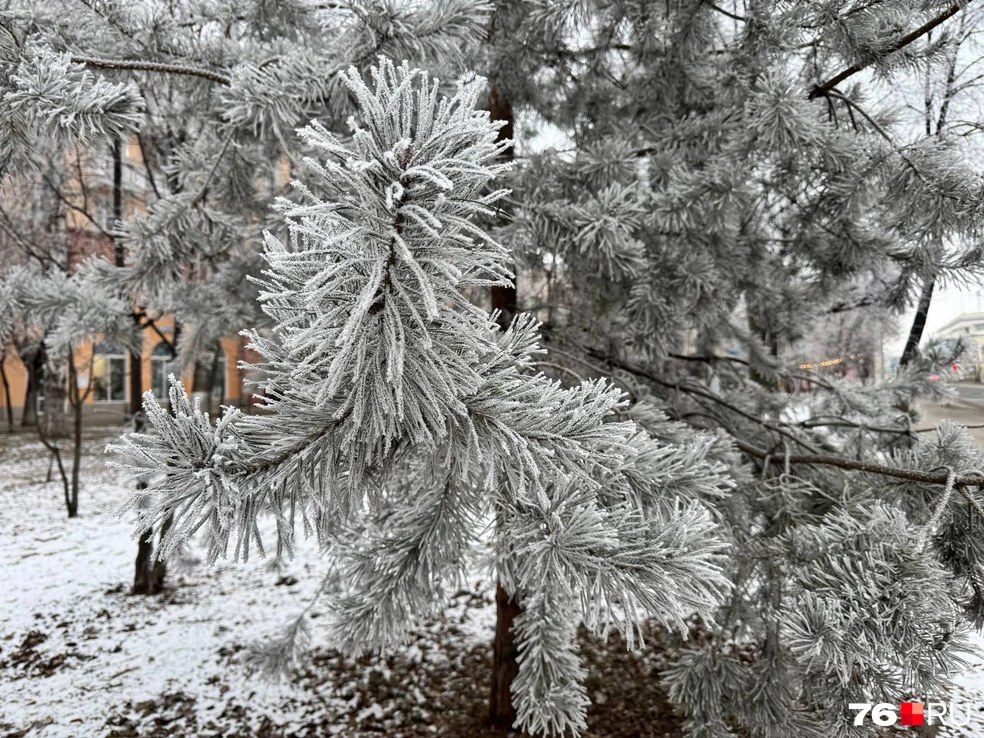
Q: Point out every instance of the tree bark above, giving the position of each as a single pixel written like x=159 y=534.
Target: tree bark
x=34 y=363
x=8 y=401
x=77 y=408
x=503 y=298
x=55 y=395
x=148 y=572
x=505 y=663
x=918 y=322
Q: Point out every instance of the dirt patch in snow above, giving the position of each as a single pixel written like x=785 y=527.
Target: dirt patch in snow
x=436 y=686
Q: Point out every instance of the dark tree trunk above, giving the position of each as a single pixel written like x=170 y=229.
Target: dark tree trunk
x=503 y=298
x=69 y=483
x=77 y=408
x=142 y=580
x=34 y=363
x=136 y=381
x=918 y=322
x=149 y=572
x=505 y=663
x=71 y=508
x=8 y=401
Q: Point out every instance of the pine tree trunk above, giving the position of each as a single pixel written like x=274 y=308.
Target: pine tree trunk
x=503 y=298
x=149 y=571
x=918 y=322
x=505 y=664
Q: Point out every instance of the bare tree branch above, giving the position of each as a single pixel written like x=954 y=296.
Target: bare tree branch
x=971 y=479
x=724 y=11
x=825 y=88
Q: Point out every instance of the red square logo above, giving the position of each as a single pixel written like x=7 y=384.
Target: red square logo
x=912 y=713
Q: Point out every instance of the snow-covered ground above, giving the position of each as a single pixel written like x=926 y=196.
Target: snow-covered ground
x=968 y=692
x=81 y=658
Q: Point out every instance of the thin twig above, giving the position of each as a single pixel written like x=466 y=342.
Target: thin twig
x=558 y=368
x=972 y=479
x=707 y=394
x=881 y=131
x=211 y=172
x=725 y=12
x=72 y=206
x=147 y=66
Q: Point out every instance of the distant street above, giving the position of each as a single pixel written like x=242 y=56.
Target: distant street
x=968 y=409
x=971 y=391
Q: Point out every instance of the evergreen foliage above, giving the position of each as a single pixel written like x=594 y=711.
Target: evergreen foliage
x=401 y=422
x=44 y=93
x=733 y=175
x=213 y=92
x=731 y=180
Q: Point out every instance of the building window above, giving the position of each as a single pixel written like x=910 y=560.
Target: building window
x=39 y=397
x=219 y=378
x=109 y=373
x=161 y=365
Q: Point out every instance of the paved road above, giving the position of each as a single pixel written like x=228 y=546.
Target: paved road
x=971 y=391
x=965 y=411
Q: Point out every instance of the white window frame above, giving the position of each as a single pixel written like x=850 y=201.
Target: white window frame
x=108 y=358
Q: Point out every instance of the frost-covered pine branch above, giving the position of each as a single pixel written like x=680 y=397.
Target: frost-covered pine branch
x=43 y=93
x=401 y=422
x=68 y=310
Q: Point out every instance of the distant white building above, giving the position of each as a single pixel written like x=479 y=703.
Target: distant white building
x=970 y=327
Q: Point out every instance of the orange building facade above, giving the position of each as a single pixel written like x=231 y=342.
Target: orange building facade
x=103 y=377
x=103 y=369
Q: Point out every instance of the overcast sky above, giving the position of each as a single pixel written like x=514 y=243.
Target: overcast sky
x=947 y=304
